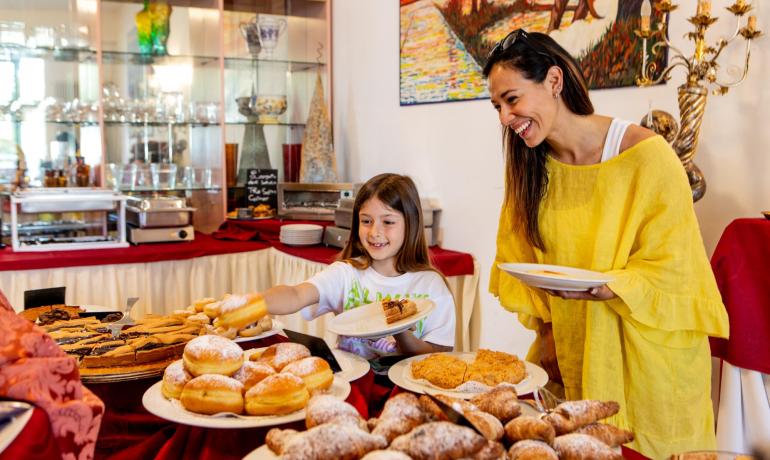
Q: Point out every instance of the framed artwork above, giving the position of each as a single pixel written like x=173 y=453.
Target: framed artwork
x=444 y=43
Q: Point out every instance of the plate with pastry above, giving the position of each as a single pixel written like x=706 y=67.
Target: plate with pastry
x=218 y=385
x=556 y=277
x=464 y=375
x=265 y=327
x=381 y=319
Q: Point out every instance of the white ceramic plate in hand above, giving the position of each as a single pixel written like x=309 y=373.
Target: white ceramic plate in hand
x=401 y=374
x=556 y=277
x=172 y=410
x=277 y=327
x=353 y=366
x=368 y=321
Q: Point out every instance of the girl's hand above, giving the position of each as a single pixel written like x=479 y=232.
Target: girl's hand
x=548 y=353
x=598 y=293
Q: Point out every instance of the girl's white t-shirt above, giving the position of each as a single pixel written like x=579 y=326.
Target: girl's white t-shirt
x=342 y=287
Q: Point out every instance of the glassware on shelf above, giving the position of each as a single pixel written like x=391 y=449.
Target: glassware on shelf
x=12 y=33
x=270 y=29
x=231 y=163
x=250 y=32
x=114 y=175
x=42 y=37
x=163 y=175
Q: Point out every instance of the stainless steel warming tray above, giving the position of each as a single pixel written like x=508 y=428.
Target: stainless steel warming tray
x=157 y=212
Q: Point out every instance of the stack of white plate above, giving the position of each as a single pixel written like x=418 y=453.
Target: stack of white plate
x=301 y=234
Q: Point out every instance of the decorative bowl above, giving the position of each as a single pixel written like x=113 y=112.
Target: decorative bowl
x=270 y=107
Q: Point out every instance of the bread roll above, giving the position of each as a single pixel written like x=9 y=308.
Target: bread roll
x=211 y=394
x=211 y=354
x=314 y=371
x=174 y=379
x=277 y=395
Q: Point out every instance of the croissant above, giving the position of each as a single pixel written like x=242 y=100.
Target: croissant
x=529 y=449
x=276 y=439
x=327 y=442
x=576 y=446
x=526 y=427
x=439 y=441
x=460 y=405
x=400 y=414
x=486 y=424
x=386 y=455
x=608 y=434
x=324 y=408
x=492 y=451
x=571 y=415
x=431 y=409
x=501 y=401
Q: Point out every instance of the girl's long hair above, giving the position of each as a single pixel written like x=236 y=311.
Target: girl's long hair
x=399 y=193
x=526 y=176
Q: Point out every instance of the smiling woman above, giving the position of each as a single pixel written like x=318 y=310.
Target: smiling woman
x=588 y=191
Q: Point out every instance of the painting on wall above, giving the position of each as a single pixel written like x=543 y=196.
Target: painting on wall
x=444 y=43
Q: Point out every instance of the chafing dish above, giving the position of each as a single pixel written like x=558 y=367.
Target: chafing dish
x=63 y=219
x=158 y=212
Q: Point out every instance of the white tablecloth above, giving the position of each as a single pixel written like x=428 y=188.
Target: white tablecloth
x=743 y=415
x=165 y=286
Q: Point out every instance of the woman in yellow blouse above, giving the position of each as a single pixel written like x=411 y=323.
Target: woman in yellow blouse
x=587 y=191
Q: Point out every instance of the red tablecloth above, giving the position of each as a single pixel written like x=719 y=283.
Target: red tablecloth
x=450 y=263
x=203 y=245
x=35 y=441
x=740 y=264
x=232 y=237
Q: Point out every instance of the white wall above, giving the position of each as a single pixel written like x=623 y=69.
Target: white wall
x=453 y=150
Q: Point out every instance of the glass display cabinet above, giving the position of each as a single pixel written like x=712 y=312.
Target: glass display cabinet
x=274 y=52
x=164 y=97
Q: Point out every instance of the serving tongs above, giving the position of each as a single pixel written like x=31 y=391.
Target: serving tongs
x=126 y=320
x=453 y=415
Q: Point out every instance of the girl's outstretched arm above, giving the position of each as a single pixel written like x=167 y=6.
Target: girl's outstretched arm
x=284 y=300
x=411 y=345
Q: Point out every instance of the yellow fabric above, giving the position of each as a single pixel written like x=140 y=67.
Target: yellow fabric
x=631 y=216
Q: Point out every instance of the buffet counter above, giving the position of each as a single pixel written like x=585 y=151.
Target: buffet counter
x=169 y=276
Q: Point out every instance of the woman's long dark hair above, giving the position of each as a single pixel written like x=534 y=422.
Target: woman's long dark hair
x=526 y=177
x=399 y=193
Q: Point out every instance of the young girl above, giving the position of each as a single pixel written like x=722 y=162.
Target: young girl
x=385 y=257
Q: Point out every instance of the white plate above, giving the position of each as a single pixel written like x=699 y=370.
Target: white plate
x=156 y=404
x=262 y=453
x=564 y=278
x=368 y=321
x=401 y=374
x=10 y=430
x=277 y=327
x=353 y=366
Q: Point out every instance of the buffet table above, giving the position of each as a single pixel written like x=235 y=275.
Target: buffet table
x=740 y=267
x=169 y=276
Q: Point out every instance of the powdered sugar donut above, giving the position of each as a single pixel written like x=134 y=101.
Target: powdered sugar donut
x=211 y=354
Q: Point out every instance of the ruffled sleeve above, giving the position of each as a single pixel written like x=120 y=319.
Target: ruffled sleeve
x=515 y=296
x=667 y=283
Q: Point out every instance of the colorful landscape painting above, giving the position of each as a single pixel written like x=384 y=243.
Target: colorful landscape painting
x=444 y=43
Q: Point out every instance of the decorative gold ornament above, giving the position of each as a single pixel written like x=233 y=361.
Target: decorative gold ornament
x=701 y=69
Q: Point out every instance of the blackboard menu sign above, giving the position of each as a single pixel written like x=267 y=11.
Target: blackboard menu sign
x=262 y=187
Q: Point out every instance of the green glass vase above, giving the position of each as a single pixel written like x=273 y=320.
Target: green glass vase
x=160 y=13
x=144 y=29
